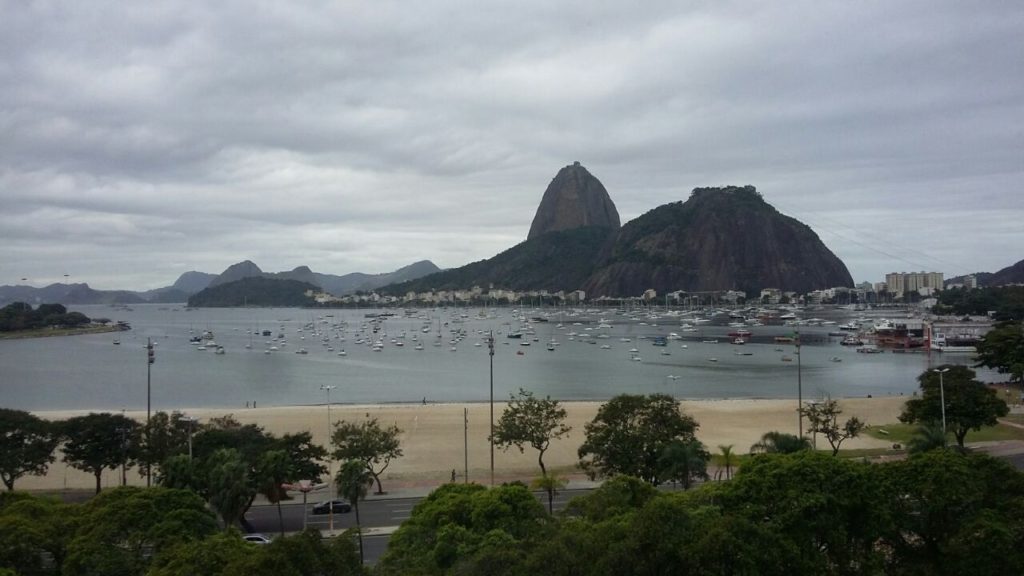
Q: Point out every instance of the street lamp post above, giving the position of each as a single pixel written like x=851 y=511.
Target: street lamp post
x=330 y=505
x=799 y=390
x=490 y=352
x=191 y=429
x=150 y=358
x=942 y=397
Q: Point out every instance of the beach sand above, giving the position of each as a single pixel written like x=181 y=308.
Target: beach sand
x=433 y=436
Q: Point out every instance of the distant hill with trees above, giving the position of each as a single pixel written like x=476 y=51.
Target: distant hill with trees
x=255 y=291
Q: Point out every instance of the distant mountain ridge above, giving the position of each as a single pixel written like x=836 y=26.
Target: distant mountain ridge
x=336 y=285
x=1012 y=274
x=193 y=282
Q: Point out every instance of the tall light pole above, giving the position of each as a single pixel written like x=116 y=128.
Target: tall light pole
x=490 y=352
x=150 y=358
x=330 y=503
x=799 y=389
x=942 y=397
x=191 y=428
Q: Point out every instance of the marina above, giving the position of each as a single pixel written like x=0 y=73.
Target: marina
x=280 y=357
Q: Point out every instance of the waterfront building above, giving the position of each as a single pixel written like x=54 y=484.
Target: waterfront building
x=901 y=283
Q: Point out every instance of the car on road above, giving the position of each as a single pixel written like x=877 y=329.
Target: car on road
x=256 y=539
x=337 y=506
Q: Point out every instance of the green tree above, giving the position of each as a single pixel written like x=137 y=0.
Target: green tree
x=614 y=497
x=231 y=491
x=550 y=484
x=272 y=470
x=952 y=513
x=780 y=443
x=927 y=437
x=683 y=462
x=94 y=442
x=121 y=530
x=533 y=421
x=629 y=434
x=304 y=457
x=824 y=419
x=249 y=443
x=32 y=527
x=1003 y=350
x=218 y=554
x=369 y=443
x=461 y=525
x=353 y=481
x=164 y=436
x=827 y=508
x=970 y=404
x=181 y=472
x=26 y=445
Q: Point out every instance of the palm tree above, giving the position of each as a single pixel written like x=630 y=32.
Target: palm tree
x=927 y=437
x=272 y=470
x=780 y=443
x=230 y=491
x=684 y=461
x=729 y=458
x=551 y=484
x=353 y=481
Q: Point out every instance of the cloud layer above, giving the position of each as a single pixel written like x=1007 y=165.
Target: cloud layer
x=144 y=140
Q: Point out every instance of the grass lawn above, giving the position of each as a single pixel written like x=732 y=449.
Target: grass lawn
x=1016 y=418
x=902 y=433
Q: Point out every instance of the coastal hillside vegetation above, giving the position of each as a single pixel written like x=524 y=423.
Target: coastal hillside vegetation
x=255 y=291
x=21 y=316
x=1004 y=302
x=942 y=512
x=560 y=260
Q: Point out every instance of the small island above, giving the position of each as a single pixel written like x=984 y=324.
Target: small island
x=20 y=320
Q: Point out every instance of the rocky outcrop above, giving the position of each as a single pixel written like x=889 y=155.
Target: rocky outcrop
x=244 y=269
x=575 y=198
x=720 y=239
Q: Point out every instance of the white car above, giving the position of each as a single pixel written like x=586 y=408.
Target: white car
x=256 y=538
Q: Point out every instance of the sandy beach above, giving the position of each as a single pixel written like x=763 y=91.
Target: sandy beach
x=433 y=436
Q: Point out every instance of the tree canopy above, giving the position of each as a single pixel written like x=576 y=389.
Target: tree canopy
x=1003 y=350
x=823 y=418
x=26 y=445
x=970 y=404
x=20 y=316
x=528 y=420
x=96 y=441
x=368 y=442
x=630 y=433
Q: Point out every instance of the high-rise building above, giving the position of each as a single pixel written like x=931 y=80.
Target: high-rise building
x=902 y=282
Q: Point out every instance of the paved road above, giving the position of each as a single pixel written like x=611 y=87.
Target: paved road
x=379 y=516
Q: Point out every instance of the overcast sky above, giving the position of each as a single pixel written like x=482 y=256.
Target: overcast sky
x=140 y=140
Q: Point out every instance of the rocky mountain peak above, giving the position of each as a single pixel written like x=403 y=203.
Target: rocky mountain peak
x=244 y=269
x=575 y=198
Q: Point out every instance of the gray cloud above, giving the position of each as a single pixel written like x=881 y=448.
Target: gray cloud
x=143 y=140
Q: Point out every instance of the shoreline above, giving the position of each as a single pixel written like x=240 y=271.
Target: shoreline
x=30 y=334
x=435 y=439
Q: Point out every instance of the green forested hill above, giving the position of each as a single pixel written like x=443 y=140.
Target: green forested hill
x=555 y=261
x=254 y=292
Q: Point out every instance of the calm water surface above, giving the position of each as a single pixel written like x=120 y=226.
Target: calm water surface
x=90 y=372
